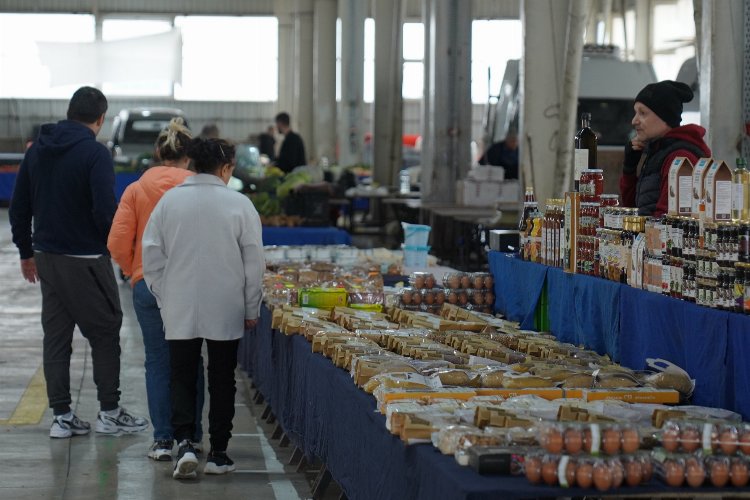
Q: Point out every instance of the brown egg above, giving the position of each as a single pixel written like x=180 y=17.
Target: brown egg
x=465 y=281
x=648 y=468
x=428 y=297
x=478 y=282
x=674 y=473
x=618 y=473
x=670 y=439
x=416 y=298
x=429 y=281
x=554 y=441
x=719 y=473
x=587 y=440
x=630 y=441
x=406 y=297
x=452 y=298
x=418 y=281
x=584 y=475
x=573 y=441
x=489 y=298
x=602 y=476
x=745 y=442
x=488 y=282
x=463 y=298
x=728 y=441
x=549 y=472
x=633 y=473
x=695 y=473
x=611 y=441
x=739 y=473
x=439 y=297
x=533 y=467
x=570 y=473
x=690 y=439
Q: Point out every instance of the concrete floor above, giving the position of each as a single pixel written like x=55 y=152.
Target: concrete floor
x=103 y=467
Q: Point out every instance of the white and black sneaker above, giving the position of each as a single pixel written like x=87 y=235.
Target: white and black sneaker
x=65 y=426
x=187 y=462
x=218 y=463
x=161 y=450
x=119 y=420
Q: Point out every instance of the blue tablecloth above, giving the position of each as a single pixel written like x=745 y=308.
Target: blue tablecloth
x=631 y=325
x=8 y=180
x=326 y=416
x=305 y=236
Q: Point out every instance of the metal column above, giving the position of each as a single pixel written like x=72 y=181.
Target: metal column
x=722 y=43
x=287 y=73
x=303 y=83
x=446 y=154
x=544 y=27
x=323 y=141
x=746 y=81
x=644 y=29
x=387 y=109
x=350 y=123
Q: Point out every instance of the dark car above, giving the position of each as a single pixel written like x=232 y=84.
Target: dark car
x=134 y=132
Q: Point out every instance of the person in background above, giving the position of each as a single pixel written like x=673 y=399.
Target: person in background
x=503 y=154
x=659 y=139
x=65 y=187
x=203 y=261
x=292 y=152
x=267 y=143
x=136 y=205
x=210 y=131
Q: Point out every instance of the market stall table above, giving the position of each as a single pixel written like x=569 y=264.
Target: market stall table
x=305 y=236
x=632 y=325
x=327 y=416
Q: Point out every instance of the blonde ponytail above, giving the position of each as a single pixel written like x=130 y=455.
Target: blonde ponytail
x=173 y=140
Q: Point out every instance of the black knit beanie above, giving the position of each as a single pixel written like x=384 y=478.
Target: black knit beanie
x=665 y=99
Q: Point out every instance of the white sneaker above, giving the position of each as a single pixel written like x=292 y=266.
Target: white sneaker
x=161 y=450
x=187 y=462
x=122 y=421
x=63 y=427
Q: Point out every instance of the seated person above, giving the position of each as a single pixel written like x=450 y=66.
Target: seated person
x=503 y=154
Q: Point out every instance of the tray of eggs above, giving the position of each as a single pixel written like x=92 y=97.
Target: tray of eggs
x=472 y=291
x=425 y=299
x=711 y=436
x=696 y=470
x=587 y=471
x=593 y=438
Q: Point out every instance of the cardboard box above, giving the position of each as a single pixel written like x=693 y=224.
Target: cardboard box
x=633 y=395
x=548 y=393
x=718 y=189
x=485 y=173
x=569 y=244
x=476 y=193
x=699 y=178
x=680 y=195
x=637 y=259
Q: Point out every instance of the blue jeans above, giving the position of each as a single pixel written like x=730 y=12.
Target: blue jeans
x=158 y=367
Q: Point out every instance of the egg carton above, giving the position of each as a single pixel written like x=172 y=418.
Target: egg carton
x=709 y=435
x=585 y=437
x=697 y=470
x=587 y=471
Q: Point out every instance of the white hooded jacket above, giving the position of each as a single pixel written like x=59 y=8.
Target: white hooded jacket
x=203 y=260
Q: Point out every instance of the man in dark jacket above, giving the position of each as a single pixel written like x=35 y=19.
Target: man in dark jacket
x=292 y=152
x=65 y=187
x=659 y=139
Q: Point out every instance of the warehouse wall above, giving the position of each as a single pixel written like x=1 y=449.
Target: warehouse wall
x=236 y=120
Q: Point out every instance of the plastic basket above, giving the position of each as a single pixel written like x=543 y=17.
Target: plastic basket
x=416 y=235
x=415 y=256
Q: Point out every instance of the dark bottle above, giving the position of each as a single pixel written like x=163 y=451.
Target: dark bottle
x=525 y=223
x=585 y=151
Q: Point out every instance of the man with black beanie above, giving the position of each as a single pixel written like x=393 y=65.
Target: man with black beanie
x=659 y=139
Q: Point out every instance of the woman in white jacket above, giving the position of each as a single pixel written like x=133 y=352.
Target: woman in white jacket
x=203 y=261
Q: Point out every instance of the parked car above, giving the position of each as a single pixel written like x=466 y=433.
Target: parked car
x=134 y=132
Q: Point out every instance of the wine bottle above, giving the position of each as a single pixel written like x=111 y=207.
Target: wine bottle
x=585 y=150
x=525 y=223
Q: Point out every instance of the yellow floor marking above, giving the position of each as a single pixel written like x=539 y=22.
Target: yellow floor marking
x=33 y=403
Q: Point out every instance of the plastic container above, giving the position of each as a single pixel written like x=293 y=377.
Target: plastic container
x=593 y=438
x=712 y=436
x=416 y=235
x=415 y=256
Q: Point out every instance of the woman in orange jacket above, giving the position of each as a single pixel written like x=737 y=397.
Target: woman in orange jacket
x=124 y=244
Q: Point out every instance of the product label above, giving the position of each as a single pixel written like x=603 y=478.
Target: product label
x=685 y=191
x=738 y=199
x=581 y=158
x=723 y=200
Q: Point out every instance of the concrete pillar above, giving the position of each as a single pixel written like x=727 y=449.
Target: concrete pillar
x=446 y=154
x=644 y=38
x=426 y=123
x=351 y=121
x=541 y=81
x=302 y=119
x=388 y=115
x=324 y=81
x=283 y=9
x=746 y=81
x=722 y=44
